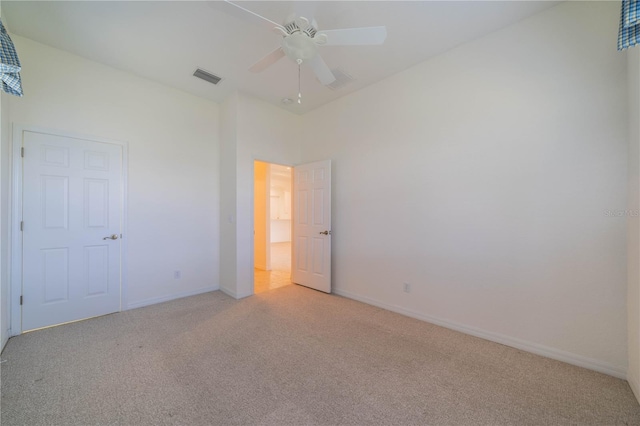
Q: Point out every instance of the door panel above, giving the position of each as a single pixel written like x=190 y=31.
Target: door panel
x=312 y=225
x=72 y=200
x=55 y=274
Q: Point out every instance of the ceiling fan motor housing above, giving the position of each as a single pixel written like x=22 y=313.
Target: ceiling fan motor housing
x=299 y=47
x=292 y=25
x=298 y=44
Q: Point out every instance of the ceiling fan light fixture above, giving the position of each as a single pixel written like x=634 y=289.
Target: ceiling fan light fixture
x=299 y=47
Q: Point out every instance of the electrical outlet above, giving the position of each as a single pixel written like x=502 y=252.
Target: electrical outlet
x=177 y=275
x=407 y=287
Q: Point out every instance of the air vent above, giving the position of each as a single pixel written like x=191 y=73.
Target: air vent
x=342 y=79
x=207 y=76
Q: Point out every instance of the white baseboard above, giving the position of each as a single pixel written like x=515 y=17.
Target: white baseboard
x=559 y=355
x=5 y=339
x=167 y=298
x=635 y=386
x=234 y=294
x=228 y=292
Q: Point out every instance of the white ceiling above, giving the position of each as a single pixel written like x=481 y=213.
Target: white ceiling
x=166 y=41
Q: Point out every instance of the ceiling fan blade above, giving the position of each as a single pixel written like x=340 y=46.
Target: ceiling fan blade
x=355 y=36
x=267 y=61
x=320 y=67
x=245 y=14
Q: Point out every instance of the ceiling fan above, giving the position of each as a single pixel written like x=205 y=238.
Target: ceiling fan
x=301 y=39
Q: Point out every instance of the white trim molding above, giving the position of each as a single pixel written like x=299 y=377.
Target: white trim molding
x=634 y=385
x=233 y=294
x=15 y=211
x=559 y=355
x=161 y=299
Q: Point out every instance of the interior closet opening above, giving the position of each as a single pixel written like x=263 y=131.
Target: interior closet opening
x=272 y=226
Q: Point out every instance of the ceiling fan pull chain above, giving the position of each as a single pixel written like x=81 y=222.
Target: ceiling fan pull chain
x=299 y=90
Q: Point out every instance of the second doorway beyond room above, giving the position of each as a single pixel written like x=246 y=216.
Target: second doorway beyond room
x=272 y=226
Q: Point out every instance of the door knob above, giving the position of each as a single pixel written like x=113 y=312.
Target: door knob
x=325 y=233
x=113 y=237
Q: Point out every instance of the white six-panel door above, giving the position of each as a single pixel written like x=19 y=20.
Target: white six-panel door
x=72 y=208
x=311 y=241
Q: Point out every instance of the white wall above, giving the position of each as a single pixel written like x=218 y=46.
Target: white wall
x=280 y=212
x=228 y=197
x=633 y=222
x=262 y=132
x=481 y=177
x=173 y=178
x=280 y=230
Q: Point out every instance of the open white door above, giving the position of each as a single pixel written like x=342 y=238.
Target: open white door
x=311 y=240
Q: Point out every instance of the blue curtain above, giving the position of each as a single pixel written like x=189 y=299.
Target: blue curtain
x=9 y=65
x=629 y=33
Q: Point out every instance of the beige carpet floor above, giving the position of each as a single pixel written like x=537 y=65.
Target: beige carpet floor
x=291 y=356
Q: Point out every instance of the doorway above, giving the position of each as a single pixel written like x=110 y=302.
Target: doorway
x=272 y=226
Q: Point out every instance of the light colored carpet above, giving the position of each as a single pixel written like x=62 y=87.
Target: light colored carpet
x=291 y=356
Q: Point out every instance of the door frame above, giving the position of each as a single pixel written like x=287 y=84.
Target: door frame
x=15 y=213
x=267 y=217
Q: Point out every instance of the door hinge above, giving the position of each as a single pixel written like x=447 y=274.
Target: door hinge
x=22 y=151
x=21 y=300
x=21 y=225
